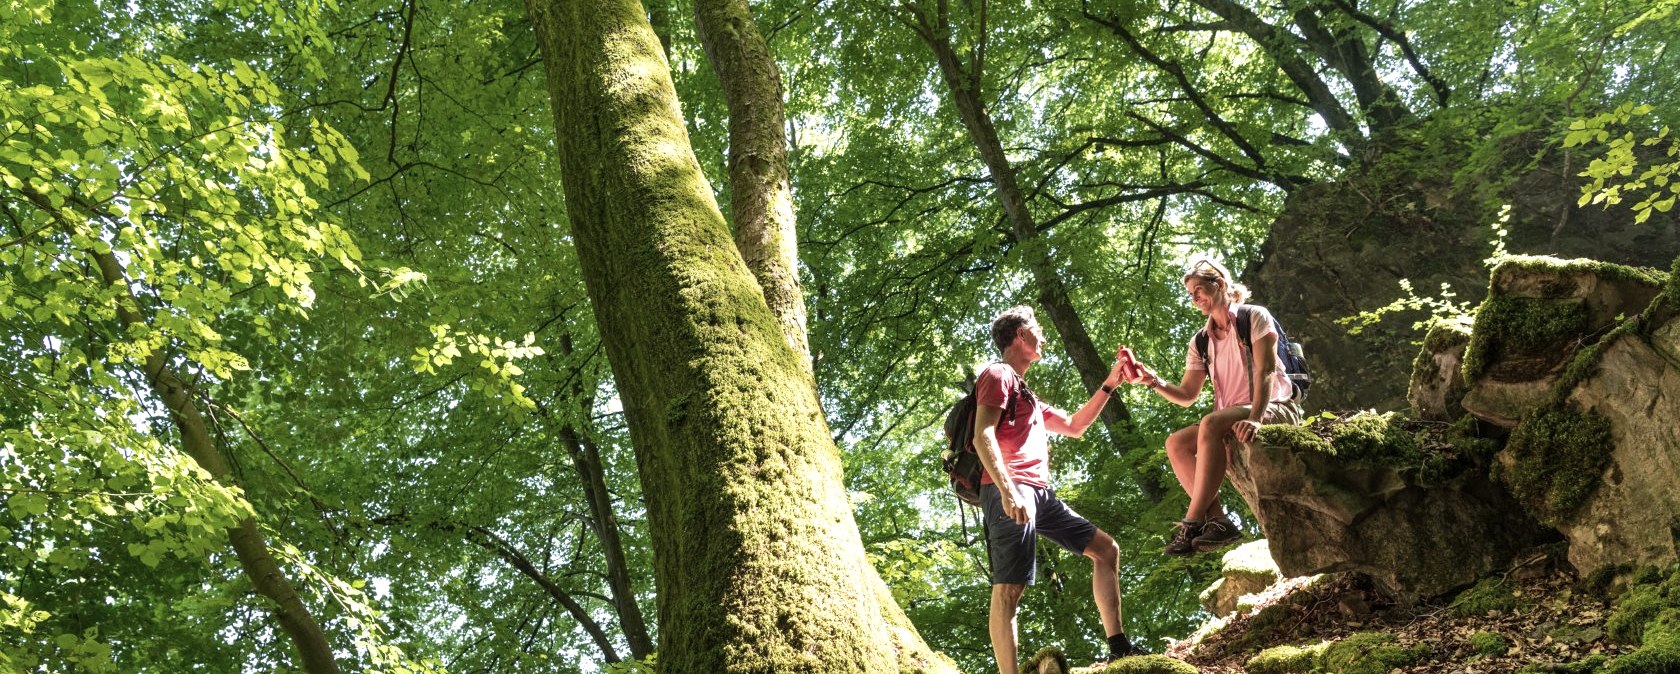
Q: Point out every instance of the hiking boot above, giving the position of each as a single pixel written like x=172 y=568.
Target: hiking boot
x=1183 y=539
x=1131 y=650
x=1216 y=533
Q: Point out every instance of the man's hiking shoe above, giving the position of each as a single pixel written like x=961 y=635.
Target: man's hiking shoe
x=1216 y=533
x=1183 y=539
x=1131 y=650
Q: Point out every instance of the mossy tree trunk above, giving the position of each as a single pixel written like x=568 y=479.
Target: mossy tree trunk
x=761 y=206
x=760 y=195
x=757 y=561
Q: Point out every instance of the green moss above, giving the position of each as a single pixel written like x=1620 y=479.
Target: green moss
x=1609 y=271
x=1369 y=653
x=1558 y=455
x=1649 y=593
x=1659 y=650
x=1148 y=664
x=1261 y=628
x=1475 y=439
x=1050 y=653
x=1671 y=292
x=1603 y=581
x=1487 y=596
x=1374 y=438
x=1298 y=439
x=1489 y=644
x=1509 y=327
x=1286 y=659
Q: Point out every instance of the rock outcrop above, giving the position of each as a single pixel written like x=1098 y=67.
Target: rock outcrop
x=1538 y=313
x=1582 y=360
x=1341 y=248
x=1368 y=502
x=1243 y=571
x=1438 y=387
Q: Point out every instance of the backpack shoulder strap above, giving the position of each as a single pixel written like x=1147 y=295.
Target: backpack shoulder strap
x=1245 y=319
x=1202 y=346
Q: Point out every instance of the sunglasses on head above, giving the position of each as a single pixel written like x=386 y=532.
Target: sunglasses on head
x=1207 y=263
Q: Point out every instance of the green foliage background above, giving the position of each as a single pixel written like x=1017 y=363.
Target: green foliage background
x=343 y=223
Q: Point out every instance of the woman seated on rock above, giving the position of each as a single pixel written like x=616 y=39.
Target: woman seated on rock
x=1241 y=374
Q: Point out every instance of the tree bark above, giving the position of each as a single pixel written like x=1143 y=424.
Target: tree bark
x=1346 y=52
x=586 y=460
x=1053 y=298
x=758 y=563
x=760 y=195
x=1276 y=43
x=314 y=652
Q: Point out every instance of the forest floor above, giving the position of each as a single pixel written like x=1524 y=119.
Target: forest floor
x=1547 y=621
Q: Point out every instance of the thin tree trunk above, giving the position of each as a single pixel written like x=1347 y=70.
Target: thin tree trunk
x=314 y=652
x=1053 y=297
x=591 y=472
x=761 y=205
x=586 y=460
x=487 y=539
x=761 y=198
x=758 y=563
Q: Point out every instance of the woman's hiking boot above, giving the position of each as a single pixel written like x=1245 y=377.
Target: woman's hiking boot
x=1183 y=541
x=1216 y=533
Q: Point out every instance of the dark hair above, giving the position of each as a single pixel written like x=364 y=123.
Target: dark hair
x=1008 y=323
x=1208 y=272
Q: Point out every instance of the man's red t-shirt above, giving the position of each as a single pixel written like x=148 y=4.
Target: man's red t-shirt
x=1023 y=441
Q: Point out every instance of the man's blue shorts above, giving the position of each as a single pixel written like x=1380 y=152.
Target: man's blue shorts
x=1014 y=548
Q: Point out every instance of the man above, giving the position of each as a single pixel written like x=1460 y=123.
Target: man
x=1011 y=433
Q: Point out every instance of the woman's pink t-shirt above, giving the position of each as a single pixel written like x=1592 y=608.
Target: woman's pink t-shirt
x=1230 y=368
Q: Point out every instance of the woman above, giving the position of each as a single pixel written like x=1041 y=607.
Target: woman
x=1241 y=375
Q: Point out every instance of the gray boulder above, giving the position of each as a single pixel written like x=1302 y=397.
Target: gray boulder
x=1244 y=570
x=1582 y=360
x=1538 y=313
x=1368 y=502
x=1437 y=389
x=1626 y=511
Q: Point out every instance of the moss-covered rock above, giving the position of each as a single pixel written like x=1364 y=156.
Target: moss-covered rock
x=1369 y=653
x=1539 y=313
x=1659 y=649
x=1286 y=659
x=1489 y=644
x=1147 y=664
x=1474 y=439
x=1554 y=459
x=1244 y=570
x=1437 y=388
x=1048 y=660
x=1526 y=336
x=1384 y=497
x=1485 y=597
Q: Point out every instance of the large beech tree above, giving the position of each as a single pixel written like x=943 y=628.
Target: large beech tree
x=758 y=564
